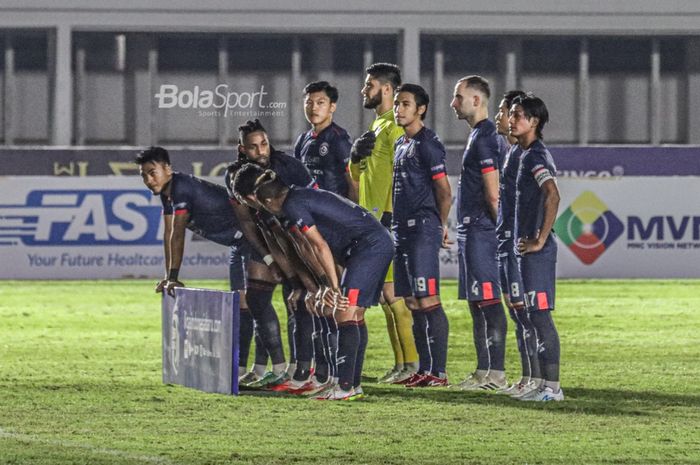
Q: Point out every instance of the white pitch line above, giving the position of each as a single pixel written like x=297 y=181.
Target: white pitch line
x=88 y=447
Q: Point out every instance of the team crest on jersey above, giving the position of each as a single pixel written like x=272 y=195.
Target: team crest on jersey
x=323 y=149
x=411 y=149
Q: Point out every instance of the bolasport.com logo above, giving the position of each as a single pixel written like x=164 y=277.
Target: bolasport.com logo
x=588 y=227
x=220 y=101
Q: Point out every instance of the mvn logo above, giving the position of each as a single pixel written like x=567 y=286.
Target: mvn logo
x=83 y=217
x=588 y=227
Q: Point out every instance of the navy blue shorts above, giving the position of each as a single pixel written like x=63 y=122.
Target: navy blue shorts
x=511 y=281
x=479 y=278
x=417 y=258
x=366 y=266
x=238 y=257
x=539 y=277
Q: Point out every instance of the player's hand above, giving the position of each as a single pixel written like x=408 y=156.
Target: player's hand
x=363 y=146
x=293 y=299
x=318 y=299
x=161 y=285
x=170 y=287
x=526 y=246
x=334 y=299
x=276 y=271
x=446 y=241
x=310 y=302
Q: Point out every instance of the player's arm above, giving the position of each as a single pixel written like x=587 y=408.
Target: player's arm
x=342 y=146
x=167 y=232
x=353 y=187
x=551 y=206
x=250 y=232
x=333 y=298
x=323 y=252
x=434 y=155
x=306 y=252
x=290 y=263
x=443 y=199
x=177 y=249
x=488 y=152
x=491 y=192
x=394 y=135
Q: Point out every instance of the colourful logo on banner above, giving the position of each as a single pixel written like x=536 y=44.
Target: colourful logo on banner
x=588 y=227
x=82 y=218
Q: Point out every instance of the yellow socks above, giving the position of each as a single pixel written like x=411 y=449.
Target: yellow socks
x=403 y=319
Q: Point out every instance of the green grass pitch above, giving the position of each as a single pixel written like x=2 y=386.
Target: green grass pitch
x=80 y=383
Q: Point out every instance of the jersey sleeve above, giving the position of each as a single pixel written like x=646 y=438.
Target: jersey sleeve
x=539 y=167
x=434 y=158
x=488 y=153
x=298 y=145
x=167 y=205
x=180 y=198
x=298 y=214
x=340 y=148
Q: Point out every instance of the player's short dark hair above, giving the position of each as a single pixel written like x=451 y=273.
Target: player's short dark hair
x=244 y=180
x=154 y=154
x=419 y=94
x=268 y=186
x=248 y=128
x=385 y=72
x=477 y=82
x=511 y=95
x=534 y=107
x=322 y=86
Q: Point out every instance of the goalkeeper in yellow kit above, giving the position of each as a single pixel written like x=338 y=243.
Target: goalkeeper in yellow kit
x=371 y=164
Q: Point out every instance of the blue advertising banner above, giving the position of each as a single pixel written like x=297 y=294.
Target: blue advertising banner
x=200 y=339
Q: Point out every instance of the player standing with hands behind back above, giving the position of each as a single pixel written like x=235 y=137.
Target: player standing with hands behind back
x=477 y=209
x=422 y=199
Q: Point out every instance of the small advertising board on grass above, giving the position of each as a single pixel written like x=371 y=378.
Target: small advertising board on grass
x=200 y=339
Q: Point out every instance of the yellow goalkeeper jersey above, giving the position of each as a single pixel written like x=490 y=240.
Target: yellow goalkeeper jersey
x=375 y=173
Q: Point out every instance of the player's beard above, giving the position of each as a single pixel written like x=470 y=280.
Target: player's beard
x=373 y=101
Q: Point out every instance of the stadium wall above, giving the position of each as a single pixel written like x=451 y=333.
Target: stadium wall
x=80 y=73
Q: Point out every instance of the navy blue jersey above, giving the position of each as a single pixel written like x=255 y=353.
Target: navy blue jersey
x=290 y=171
x=326 y=155
x=503 y=149
x=536 y=167
x=480 y=157
x=209 y=207
x=342 y=223
x=506 y=199
x=418 y=161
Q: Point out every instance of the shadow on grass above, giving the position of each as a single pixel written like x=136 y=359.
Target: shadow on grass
x=585 y=401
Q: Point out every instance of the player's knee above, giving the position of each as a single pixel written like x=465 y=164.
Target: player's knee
x=412 y=304
x=428 y=302
x=342 y=316
x=260 y=271
x=483 y=304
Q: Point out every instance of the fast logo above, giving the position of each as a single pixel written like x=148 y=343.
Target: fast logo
x=82 y=217
x=588 y=227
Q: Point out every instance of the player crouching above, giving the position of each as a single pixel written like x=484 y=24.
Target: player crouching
x=342 y=233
